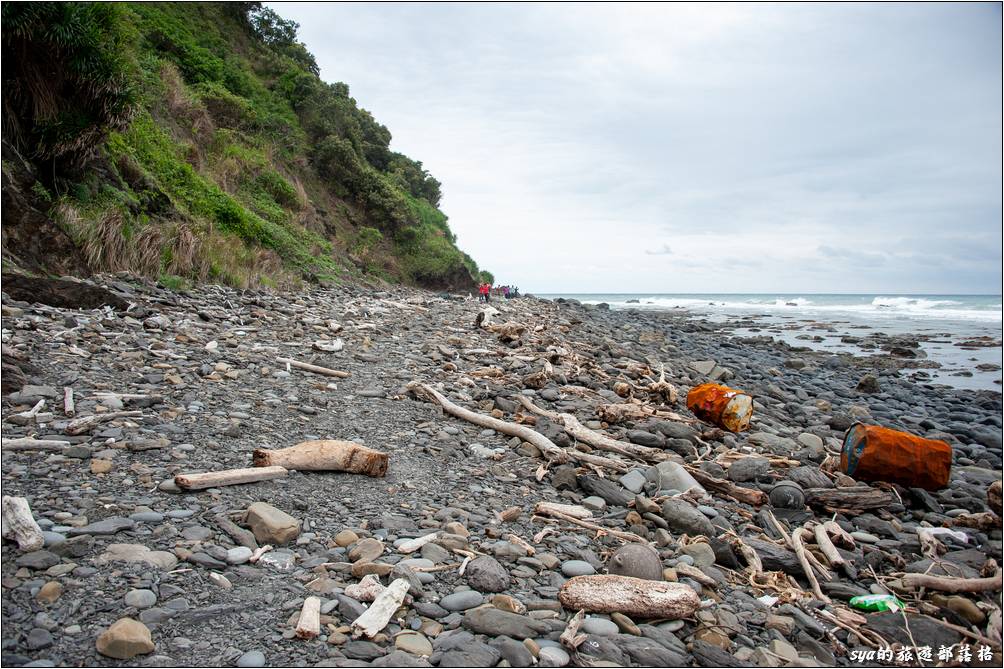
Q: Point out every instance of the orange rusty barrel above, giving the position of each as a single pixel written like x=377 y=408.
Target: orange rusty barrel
x=721 y=406
x=873 y=453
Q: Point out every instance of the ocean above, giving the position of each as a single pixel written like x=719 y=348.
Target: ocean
x=945 y=320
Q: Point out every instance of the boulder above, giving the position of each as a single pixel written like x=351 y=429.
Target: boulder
x=270 y=525
x=126 y=638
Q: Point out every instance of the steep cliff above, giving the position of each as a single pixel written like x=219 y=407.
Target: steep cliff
x=195 y=142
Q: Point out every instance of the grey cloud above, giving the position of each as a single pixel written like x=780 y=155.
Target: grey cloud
x=663 y=250
x=865 y=135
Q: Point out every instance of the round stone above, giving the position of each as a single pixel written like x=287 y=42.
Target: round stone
x=553 y=656
x=576 y=568
x=414 y=643
x=346 y=538
x=366 y=550
x=461 y=601
x=239 y=555
x=140 y=599
x=599 y=626
x=252 y=658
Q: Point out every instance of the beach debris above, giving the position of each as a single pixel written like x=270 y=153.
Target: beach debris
x=376 y=617
x=316 y=369
x=727 y=488
x=309 y=624
x=634 y=597
x=33 y=444
x=228 y=477
x=19 y=525
x=551 y=451
x=994 y=497
x=553 y=511
x=875 y=453
x=953 y=584
x=725 y=407
x=877 y=603
x=325 y=455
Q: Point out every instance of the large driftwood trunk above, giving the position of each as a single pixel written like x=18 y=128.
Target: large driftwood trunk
x=325 y=455
x=634 y=597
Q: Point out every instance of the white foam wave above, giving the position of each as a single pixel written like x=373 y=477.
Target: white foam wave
x=910 y=303
x=879 y=307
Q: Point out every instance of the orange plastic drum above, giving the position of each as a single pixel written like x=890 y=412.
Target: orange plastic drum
x=721 y=406
x=873 y=453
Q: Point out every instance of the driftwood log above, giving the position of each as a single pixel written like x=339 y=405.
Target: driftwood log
x=727 y=488
x=32 y=444
x=549 y=510
x=951 y=584
x=582 y=433
x=994 y=497
x=88 y=423
x=309 y=624
x=634 y=597
x=228 y=477
x=850 y=501
x=325 y=455
x=573 y=510
x=376 y=617
x=800 y=551
x=237 y=533
x=19 y=525
x=412 y=545
x=316 y=369
x=365 y=590
x=550 y=450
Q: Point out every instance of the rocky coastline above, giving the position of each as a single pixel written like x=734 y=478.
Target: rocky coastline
x=190 y=382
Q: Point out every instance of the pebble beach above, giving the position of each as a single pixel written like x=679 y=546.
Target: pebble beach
x=189 y=382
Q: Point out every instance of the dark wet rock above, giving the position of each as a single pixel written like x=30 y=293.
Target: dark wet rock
x=649 y=653
x=609 y=491
x=684 y=518
x=63 y=293
x=107 y=526
x=748 y=468
x=38 y=560
x=494 y=622
x=487 y=575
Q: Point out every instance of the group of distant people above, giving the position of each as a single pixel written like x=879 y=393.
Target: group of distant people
x=486 y=290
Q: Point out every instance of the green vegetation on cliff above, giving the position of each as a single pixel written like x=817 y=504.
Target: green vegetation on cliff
x=195 y=141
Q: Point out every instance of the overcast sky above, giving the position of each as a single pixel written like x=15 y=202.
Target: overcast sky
x=694 y=148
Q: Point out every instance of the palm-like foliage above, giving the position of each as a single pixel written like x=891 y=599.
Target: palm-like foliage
x=65 y=80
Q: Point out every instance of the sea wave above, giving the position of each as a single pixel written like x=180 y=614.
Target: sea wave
x=880 y=307
x=910 y=303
